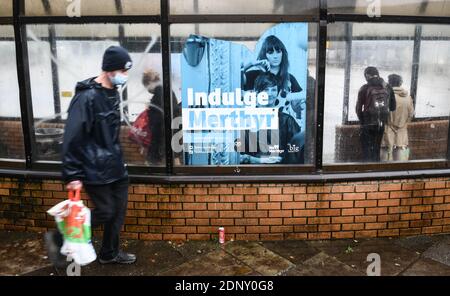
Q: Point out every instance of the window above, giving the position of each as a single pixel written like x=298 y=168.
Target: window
x=418 y=128
x=86 y=8
x=62 y=55
x=397 y=7
x=212 y=64
x=11 y=135
x=243 y=7
x=235 y=109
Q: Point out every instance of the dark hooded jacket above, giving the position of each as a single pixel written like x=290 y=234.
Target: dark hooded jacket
x=364 y=100
x=91 y=148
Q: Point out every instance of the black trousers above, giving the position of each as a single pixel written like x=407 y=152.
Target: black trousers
x=371 y=136
x=110 y=203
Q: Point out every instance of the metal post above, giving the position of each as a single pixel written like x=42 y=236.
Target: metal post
x=23 y=76
x=54 y=66
x=123 y=43
x=118 y=4
x=47 y=6
x=196 y=11
x=321 y=67
x=348 y=69
x=167 y=88
x=55 y=75
x=415 y=64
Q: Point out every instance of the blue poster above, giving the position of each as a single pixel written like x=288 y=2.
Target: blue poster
x=243 y=107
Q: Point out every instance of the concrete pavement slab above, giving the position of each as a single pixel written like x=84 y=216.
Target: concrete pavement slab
x=439 y=252
x=215 y=263
x=323 y=265
x=415 y=243
x=294 y=251
x=394 y=259
x=152 y=257
x=258 y=258
x=427 y=267
x=21 y=253
x=192 y=249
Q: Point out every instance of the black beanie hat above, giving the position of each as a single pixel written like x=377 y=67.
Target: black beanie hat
x=372 y=71
x=116 y=58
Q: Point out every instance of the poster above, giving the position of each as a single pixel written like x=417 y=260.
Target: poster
x=244 y=107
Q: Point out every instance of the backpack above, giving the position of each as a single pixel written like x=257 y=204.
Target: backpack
x=140 y=132
x=377 y=110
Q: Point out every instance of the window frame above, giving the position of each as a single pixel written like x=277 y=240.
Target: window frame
x=315 y=172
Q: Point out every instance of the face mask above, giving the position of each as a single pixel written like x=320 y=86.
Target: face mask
x=119 y=79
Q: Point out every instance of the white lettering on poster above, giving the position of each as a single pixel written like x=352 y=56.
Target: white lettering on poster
x=227 y=119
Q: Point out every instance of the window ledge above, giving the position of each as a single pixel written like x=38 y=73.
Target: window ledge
x=290 y=178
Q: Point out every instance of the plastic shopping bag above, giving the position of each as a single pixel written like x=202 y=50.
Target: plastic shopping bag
x=73 y=219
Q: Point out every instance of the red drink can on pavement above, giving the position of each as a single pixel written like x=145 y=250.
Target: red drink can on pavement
x=221 y=235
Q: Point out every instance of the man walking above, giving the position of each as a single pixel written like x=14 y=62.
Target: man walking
x=92 y=156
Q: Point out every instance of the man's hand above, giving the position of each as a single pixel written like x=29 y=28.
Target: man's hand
x=74 y=185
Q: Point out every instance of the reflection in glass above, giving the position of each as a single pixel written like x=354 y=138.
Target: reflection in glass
x=5 y=7
x=62 y=55
x=416 y=130
x=85 y=7
x=11 y=135
x=397 y=7
x=244 y=7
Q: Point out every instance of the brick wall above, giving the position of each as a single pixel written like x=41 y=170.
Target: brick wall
x=427 y=140
x=253 y=211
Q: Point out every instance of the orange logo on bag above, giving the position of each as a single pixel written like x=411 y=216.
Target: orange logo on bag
x=75 y=219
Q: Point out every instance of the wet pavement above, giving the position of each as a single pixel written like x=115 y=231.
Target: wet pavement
x=24 y=254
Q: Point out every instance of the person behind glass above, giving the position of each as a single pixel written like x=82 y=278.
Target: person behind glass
x=372 y=122
x=152 y=82
x=273 y=58
x=288 y=128
x=92 y=156
x=394 y=145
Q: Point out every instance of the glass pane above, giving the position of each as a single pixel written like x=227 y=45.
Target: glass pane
x=398 y=7
x=244 y=7
x=11 y=135
x=5 y=7
x=141 y=7
x=76 y=8
x=378 y=134
x=382 y=31
x=77 y=55
x=219 y=74
x=435 y=32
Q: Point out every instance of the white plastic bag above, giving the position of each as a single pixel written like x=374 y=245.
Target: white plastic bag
x=73 y=219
